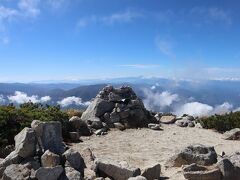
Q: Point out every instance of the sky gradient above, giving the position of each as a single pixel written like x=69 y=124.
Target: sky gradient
x=85 y=39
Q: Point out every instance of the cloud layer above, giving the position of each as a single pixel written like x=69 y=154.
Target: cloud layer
x=73 y=100
x=21 y=97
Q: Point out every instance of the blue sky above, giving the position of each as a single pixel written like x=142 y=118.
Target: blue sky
x=85 y=39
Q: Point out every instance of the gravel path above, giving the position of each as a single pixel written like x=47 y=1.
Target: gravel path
x=143 y=147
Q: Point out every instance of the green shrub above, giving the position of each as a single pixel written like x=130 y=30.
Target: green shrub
x=14 y=119
x=223 y=122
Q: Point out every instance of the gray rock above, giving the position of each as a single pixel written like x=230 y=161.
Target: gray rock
x=152 y=172
x=235 y=160
x=74 y=136
x=227 y=169
x=25 y=143
x=72 y=174
x=16 y=172
x=200 y=154
x=97 y=108
x=49 y=173
x=95 y=123
x=102 y=131
x=114 y=117
x=184 y=123
x=12 y=158
x=233 y=134
x=197 y=172
x=119 y=126
x=138 y=178
x=49 y=135
x=168 y=119
x=124 y=114
x=74 y=160
x=111 y=169
x=49 y=159
x=78 y=125
x=154 y=126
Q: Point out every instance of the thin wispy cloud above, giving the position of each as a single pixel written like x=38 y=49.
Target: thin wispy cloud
x=126 y=16
x=165 y=46
x=139 y=65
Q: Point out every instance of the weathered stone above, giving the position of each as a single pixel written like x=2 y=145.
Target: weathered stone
x=152 y=172
x=95 y=123
x=6 y=150
x=154 y=126
x=16 y=172
x=197 y=172
x=49 y=135
x=227 y=169
x=50 y=159
x=31 y=163
x=88 y=158
x=72 y=174
x=89 y=174
x=25 y=143
x=168 y=119
x=74 y=136
x=114 y=117
x=102 y=131
x=233 y=134
x=119 y=126
x=49 y=173
x=124 y=114
x=199 y=154
x=12 y=158
x=78 y=125
x=111 y=169
x=137 y=178
x=235 y=160
x=74 y=160
x=184 y=123
x=97 y=108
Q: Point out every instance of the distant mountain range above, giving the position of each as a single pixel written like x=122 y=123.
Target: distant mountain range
x=212 y=92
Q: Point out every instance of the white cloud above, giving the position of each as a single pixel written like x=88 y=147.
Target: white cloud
x=56 y=4
x=212 y=14
x=29 y=8
x=21 y=97
x=165 y=46
x=223 y=108
x=2 y=100
x=156 y=100
x=123 y=17
x=194 y=109
x=139 y=65
x=153 y=87
x=73 y=100
x=126 y=16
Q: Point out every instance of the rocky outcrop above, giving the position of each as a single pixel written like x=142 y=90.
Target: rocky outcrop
x=111 y=169
x=233 y=134
x=185 y=121
x=117 y=105
x=72 y=174
x=80 y=126
x=16 y=172
x=198 y=154
x=170 y=119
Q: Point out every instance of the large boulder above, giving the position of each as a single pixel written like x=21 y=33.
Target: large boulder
x=25 y=143
x=233 y=134
x=199 y=154
x=49 y=173
x=152 y=172
x=74 y=160
x=49 y=136
x=227 y=169
x=16 y=172
x=111 y=169
x=197 y=172
x=50 y=159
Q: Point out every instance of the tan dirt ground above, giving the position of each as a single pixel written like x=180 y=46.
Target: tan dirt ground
x=143 y=147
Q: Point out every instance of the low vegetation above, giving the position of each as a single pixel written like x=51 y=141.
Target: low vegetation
x=223 y=122
x=14 y=119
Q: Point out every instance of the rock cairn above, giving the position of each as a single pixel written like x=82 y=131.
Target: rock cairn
x=117 y=107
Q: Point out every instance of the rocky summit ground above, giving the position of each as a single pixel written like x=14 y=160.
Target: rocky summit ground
x=143 y=147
